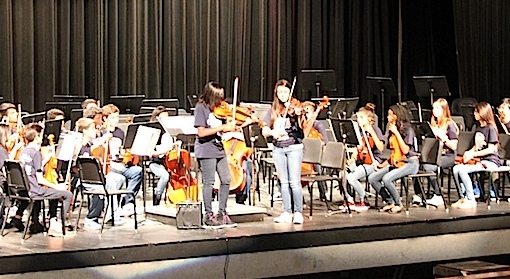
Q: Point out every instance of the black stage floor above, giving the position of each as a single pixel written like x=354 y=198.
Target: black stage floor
x=155 y=241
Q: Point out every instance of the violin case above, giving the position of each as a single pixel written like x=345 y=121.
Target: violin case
x=189 y=215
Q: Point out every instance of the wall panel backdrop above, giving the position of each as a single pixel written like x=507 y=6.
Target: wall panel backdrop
x=170 y=48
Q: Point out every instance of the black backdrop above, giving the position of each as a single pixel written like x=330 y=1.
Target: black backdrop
x=170 y=48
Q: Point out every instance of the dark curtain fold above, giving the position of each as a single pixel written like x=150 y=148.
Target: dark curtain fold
x=482 y=30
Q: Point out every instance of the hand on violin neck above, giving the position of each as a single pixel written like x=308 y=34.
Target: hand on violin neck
x=393 y=128
x=228 y=127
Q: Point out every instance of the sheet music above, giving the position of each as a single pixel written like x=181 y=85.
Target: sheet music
x=70 y=146
x=183 y=124
x=145 y=141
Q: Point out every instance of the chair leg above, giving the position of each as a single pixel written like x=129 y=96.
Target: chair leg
x=5 y=219
x=43 y=209
x=111 y=206
x=63 y=217
x=79 y=213
x=342 y=192
x=30 y=207
x=136 y=220
x=310 y=190
x=107 y=204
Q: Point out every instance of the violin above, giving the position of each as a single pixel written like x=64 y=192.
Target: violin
x=50 y=167
x=16 y=147
x=365 y=155
x=224 y=111
x=397 y=157
x=460 y=160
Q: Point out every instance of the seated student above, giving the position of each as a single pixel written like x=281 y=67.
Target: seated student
x=403 y=159
x=366 y=120
x=156 y=165
x=9 y=116
x=132 y=173
x=87 y=127
x=483 y=155
x=445 y=129
x=504 y=114
x=89 y=103
x=4 y=155
x=31 y=160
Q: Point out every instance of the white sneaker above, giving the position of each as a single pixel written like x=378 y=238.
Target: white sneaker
x=91 y=225
x=468 y=204
x=116 y=218
x=285 y=217
x=458 y=203
x=436 y=200
x=55 y=228
x=416 y=201
x=350 y=200
x=298 y=218
x=127 y=210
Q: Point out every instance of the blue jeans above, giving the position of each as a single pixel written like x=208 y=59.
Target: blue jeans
x=447 y=161
x=354 y=177
x=208 y=167
x=287 y=162
x=461 y=175
x=133 y=175
x=160 y=171
x=388 y=177
x=114 y=181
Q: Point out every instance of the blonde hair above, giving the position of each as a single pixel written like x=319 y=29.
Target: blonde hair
x=84 y=123
x=369 y=111
x=109 y=109
x=444 y=119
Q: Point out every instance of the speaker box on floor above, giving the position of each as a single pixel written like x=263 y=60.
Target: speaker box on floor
x=189 y=215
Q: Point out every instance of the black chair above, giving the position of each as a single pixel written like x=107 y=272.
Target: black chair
x=465 y=142
x=90 y=172
x=431 y=150
x=18 y=188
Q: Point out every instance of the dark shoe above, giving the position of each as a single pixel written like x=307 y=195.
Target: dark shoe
x=225 y=221
x=210 y=221
x=17 y=223
x=7 y=225
x=36 y=228
x=156 y=200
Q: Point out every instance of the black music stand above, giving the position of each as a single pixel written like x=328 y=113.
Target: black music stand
x=385 y=87
x=33 y=118
x=318 y=80
x=128 y=143
x=128 y=103
x=167 y=103
x=345 y=131
x=422 y=130
x=66 y=107
x=75 y=115
x=70 y=98
x=344 y=107
x=433 y=86
x=254 y=139
x=52 y=127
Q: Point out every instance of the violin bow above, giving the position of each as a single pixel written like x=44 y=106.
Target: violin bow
x=234 y=101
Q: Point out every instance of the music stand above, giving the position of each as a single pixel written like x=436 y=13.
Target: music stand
x=75 y=115
x=167 y=103
x=70 y=98
x=386 y=87
x=66 y=107
x=422 y=130
x=345 y=131
x=344 y=107
x=33 y=118
x=52 y=127
x=128 y=103
x=254 y=139
x=318 y=80
x=433 y=86
x=139 y=118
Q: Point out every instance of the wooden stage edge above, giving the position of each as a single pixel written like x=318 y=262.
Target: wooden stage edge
x=162 y=242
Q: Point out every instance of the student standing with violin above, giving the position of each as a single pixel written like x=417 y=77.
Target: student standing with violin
x=283 y=124
x=373 y=139
x=403 y=159
x=445 y=130
x=483 y=156
x=211 y=155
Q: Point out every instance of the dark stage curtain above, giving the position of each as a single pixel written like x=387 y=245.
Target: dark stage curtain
x=482 y=30
x=170 y=48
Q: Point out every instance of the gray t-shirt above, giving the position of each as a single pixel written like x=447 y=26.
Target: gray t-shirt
x=31 y=160
x=210 y=146
x=451 y=133
x=380 y=136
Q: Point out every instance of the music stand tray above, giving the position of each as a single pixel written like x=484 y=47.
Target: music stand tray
x=52 y=127
x=433 y=86
x=345 y=131
x=133 y=129
x=385 y=87
x=344 y=107
x=317 y=80
x=253 y=136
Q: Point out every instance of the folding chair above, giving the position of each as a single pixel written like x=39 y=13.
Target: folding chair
x=18 y=188
x=431 y=150
x=333 y=159
x=90 y=172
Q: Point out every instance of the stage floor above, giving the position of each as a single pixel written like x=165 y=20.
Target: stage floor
x=156 y=241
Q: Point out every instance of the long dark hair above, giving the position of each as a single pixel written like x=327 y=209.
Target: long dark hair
x=212 y=94
x=403 y=122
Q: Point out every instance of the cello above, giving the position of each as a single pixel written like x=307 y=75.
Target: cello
x=183 y=185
